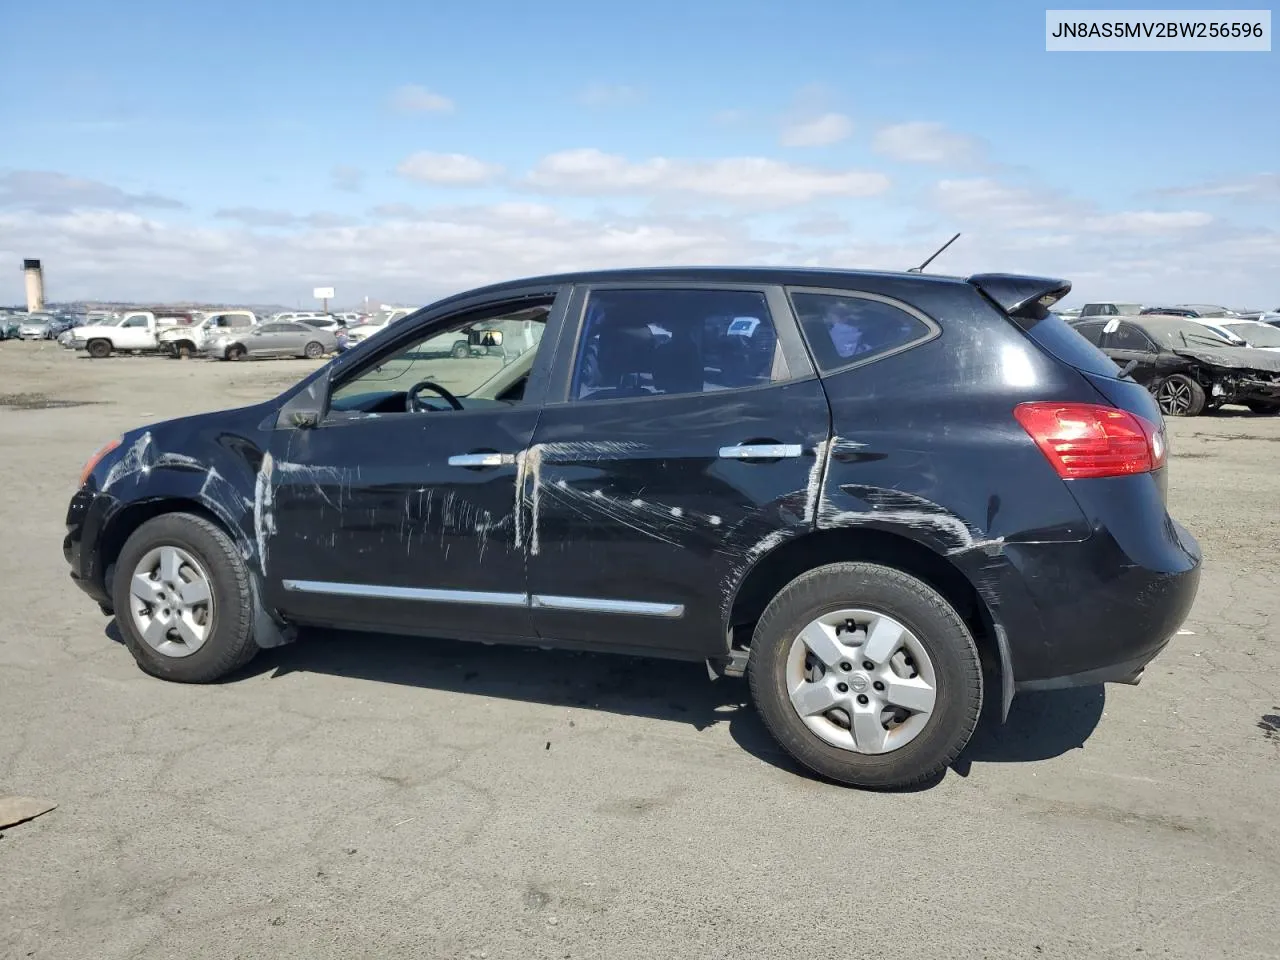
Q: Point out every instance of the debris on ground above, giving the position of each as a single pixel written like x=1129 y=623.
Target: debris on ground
x=16 y=810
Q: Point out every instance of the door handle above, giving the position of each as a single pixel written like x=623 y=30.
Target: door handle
x=761 y=451
x=482 y=459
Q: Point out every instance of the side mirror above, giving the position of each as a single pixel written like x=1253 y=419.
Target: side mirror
x=305 y=409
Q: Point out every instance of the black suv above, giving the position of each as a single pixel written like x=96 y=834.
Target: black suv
x=882 y=496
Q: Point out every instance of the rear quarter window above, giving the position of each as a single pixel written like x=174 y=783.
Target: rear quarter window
x=1056 y=337
x=847 y=329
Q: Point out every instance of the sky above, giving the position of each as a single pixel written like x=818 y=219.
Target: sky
x=248 y=152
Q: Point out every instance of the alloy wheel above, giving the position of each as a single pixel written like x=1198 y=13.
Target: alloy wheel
x=1174 y=397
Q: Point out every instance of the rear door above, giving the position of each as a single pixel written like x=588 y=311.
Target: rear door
x=671 y=456
x=1126 y=344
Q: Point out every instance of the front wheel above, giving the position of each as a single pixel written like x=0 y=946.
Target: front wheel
x=1180 y=396
x=313 y=350
x=183 y=601
x=460 y=350
x=866 y=675
x=235 y=353
x=98 y=349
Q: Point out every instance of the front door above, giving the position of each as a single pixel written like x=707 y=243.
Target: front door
x=398 y=511
x=680 y=449
x=1127 y=345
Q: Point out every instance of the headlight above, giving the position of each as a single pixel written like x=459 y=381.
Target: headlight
x=96 y=459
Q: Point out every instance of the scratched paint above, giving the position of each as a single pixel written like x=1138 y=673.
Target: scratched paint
x=138 y=459
x=264 y=519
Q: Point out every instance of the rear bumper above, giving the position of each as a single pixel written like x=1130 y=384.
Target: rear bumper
x=1091 y=611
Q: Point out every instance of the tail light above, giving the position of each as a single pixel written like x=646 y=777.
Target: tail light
x=1088 y=440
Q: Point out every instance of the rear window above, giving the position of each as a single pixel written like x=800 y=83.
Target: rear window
x=842 y=330
x=1057 y=338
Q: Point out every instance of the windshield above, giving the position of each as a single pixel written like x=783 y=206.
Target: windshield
x=1256 y=335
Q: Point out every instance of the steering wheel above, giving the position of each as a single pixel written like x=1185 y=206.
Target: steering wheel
x=413 y=405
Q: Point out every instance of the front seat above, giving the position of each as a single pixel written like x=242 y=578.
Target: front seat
x=623 y=353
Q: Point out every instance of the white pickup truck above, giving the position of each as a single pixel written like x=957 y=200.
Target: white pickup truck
x=135 y=332
x=186 y=341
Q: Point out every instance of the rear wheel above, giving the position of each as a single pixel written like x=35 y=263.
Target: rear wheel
x=182 y=599
x=460 y=350
x=1263 y=407
x=235 y=353
x=866 y=675
x=99 y=348
x=183 y=351
x=313 y=350
x=1180 y=396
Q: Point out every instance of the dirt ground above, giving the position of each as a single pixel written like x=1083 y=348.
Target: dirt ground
x=358 y=797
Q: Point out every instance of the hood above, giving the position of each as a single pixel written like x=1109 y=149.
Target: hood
x=1234 y=358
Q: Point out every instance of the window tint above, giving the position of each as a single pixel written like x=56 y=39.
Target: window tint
x=848 y=329
x=1091 y=332
x=275 y=327
x=1128 y=337
x=640 y=343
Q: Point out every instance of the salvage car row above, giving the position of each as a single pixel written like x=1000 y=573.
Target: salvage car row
x=1192 y=365
x=228 y=335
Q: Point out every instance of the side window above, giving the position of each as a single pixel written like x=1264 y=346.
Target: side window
x=643 y=343
x=849 y=329
x=275 y=327
x=1129 y=337
x=482 y=359
x=136 y=322
x=1091 y=332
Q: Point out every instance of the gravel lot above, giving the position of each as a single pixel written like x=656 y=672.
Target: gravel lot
x=365 y=797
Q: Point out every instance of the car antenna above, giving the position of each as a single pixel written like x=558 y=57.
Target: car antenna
x=920 y=269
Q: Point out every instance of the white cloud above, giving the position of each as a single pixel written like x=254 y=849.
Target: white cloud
x=407 y=253
x=412 y=98
x=49 y=192
x=1259 y=186
x=921 y=142
x=756 y=181
x=260 y=217
x=819 y=131
x=609 y=95
x=449 y=169
x=983 y=201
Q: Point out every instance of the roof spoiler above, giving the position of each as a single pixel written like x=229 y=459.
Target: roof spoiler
x=1020 y=296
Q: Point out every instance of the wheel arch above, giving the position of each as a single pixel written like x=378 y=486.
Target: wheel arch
x=268 y=630
x=796 y=556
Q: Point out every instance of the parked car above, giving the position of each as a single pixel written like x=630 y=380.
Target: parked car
x=379 y=322
x=187 y=341
x=35 y=326
x=285 y=339
x=924 y=475
x=1108 y=309
x=10 y=324
x=1188 y=367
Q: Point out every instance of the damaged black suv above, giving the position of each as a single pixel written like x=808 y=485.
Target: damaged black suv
x=882 y=496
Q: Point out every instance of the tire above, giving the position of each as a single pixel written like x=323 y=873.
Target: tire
x=929 y=740
x=461 y=350
x=228 y=643
x=1263 y=407
x=183 y=351
x=235 y=353
x=313 y=350
x=99 y=349
x=1179 y=396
